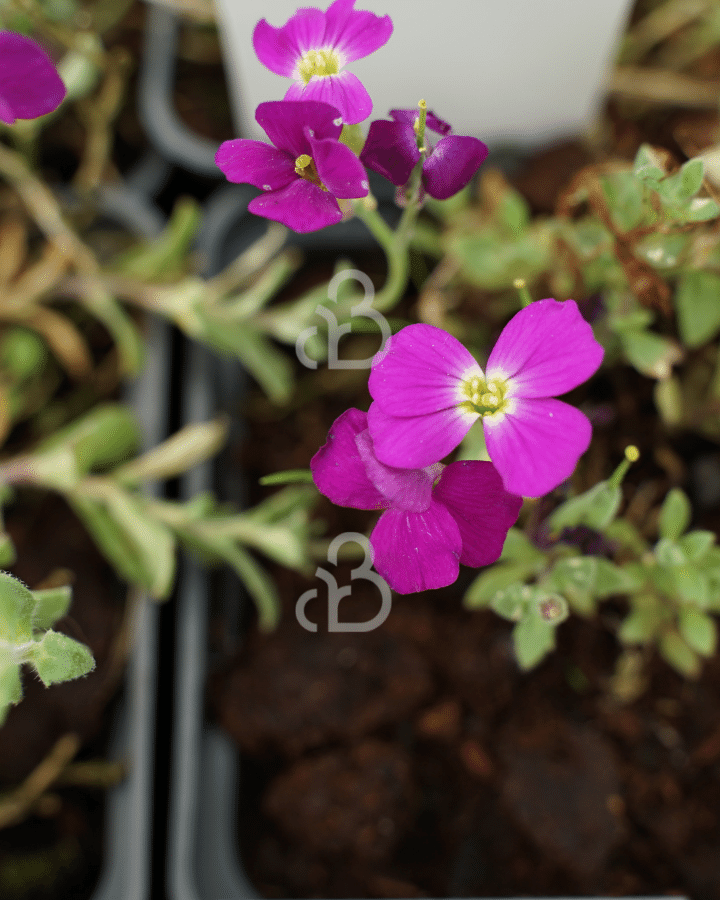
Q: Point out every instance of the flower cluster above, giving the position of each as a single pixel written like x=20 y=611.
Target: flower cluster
x=427 y=389
x=306 y=169
x=427 y=392
x=435 y=517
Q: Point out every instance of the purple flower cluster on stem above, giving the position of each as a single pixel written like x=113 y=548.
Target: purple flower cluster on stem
x=305 y=171
x=391 y=149
x=434 y=517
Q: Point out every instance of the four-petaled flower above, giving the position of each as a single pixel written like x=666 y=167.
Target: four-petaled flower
x=304 y=172
x=428 y=391
x=435 y=517
x=313 y=47
x=29 y=85
x=391 y=149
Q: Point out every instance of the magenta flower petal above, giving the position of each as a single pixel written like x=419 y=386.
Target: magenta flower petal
x=418 y=441
x=284 y=122
x=339 y=169
x=546 y=349
x=279 y=49
x=417 y=551
x=337 y=469
x=252 y=162
x=407 y=489
x=536 y=445
x=344 y=92
x=29 y=83
x=390 y=150
x=301 y=206
x=419 y=371
x=474 y=495
x=355 y=33
x=452 y=163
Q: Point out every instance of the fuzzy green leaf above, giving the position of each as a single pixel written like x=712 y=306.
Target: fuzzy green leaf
x=51 y=604
x=57 y=657
x=16 y=608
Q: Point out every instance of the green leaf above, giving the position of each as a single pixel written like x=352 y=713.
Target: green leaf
x=698 y=629
x=10 y=683
x=153 y=542
x=691 y=585
x=701 y=209
x=626 y=534
x=165 y=256
x=138 y=548
x=664 y=252
x=181 y=452
x=667 y=394
x=513 y=212
x=696 y=544
x=677 y=190
x=626 y=198
x=676 y=652
x=494 y=579
x=575 y=578
x=533 y=638
x=104 y=437
x=519 y=548
x=675 y=515
x=611 y=579
x=595 y=508
x=651 y=354
x=698 y=307
x=289 y=476
x=513 y=602
x=647 y=165
x=16 y=607
x=269 y=367
x=57 y=657
x=51 y=604
x=643 y=621
x=668 y=554
x=258 y=583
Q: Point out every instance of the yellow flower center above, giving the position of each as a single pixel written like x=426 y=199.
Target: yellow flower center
x=305 y=168
x=318 y=62
x=487 y=398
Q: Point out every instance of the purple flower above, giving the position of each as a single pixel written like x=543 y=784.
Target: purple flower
x=29 y=85
x=435 y=518
x=313 y=46
x=391 y=149
x=304 y=172
x=428 y=391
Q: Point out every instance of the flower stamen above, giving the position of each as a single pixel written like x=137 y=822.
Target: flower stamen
x=487 y=398
x=305 y=168
x=318 y=62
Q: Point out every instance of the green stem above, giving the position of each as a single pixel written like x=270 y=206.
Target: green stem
x=395 y=244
